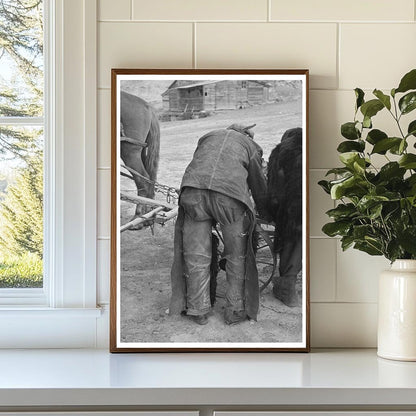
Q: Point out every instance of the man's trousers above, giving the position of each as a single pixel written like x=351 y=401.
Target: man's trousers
x=204 y=208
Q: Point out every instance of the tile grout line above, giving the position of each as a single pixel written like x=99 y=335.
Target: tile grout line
x=308 y=22
x=320 y=237
x=338 y=64
x=194 y=62
x=131 y=9
x=336 y=271
x=355 y=302
x=269 y=10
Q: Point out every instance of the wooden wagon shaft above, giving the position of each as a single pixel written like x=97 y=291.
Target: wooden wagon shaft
x=135 y=173
x=135 y=199
x=141 y=219
x=166 y=216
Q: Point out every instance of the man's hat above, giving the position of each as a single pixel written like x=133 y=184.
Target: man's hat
x=243 y=129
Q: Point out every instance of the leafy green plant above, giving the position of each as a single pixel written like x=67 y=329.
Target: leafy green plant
x=376 y=210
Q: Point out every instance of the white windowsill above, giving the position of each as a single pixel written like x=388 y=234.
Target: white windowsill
x=36 y=312
x=42 y=327
x=323 y=378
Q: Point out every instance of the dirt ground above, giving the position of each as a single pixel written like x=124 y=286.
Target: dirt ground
x=146 y=258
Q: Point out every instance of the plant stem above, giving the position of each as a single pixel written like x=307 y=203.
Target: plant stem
x=397 y=118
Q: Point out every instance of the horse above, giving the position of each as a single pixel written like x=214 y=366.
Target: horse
x=284 y=204
x=140 y=144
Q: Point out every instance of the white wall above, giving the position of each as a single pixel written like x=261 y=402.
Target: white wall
x=345 y=44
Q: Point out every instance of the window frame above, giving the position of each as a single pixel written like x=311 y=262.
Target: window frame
x=38 y=296
x=67 y=303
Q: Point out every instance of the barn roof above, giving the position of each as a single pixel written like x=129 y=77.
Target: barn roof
x=182 y=87
x=198 y=84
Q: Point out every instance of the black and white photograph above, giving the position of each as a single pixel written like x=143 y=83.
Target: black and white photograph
x=209 y=232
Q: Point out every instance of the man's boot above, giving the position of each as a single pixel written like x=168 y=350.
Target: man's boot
x=284 y=289
x=233 y=317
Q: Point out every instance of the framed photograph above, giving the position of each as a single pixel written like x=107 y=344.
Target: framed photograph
x=209 y=214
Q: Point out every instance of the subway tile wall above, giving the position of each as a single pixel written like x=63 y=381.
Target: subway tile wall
x=345 y=44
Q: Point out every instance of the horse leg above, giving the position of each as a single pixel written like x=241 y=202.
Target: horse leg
x=284 y=286
x=132 y=157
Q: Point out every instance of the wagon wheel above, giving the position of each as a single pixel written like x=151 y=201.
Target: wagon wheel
x=265 y=246
x=264 y=249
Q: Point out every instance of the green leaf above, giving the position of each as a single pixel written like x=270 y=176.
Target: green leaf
x=342 y=211
x=393 y=250
x=338 y=171
x=408 y=161
x=402 y=147
x=325 y=186
x=383 y=145
x=359 y=95
x=375 y=136
x=412 y=200
x=349 y=131
x=411 y=130
x=361 y=231
x=359 y=165
x=374 y=242
x=353 y=187
x=375 y=211
x=367 y=122
x=407 y=239
x=391 y=170
x=371 y=108
x=408 y=102
x=338 y=189
x=336 y=228
x=411 y=183
x=348 y=158
x=349 y=146
x=385 y=99
x=368 y=248
x=369 y=201
x=408 y=82
x=346 y=242
x=411 y=180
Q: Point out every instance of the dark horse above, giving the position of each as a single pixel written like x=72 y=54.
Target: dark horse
x=284 y=190
x=140 y=143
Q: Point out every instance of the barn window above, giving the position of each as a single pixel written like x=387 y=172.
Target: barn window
x=206 y=94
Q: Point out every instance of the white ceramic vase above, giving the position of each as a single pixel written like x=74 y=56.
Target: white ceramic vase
x=397 y=312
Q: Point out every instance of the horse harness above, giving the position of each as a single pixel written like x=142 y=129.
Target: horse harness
x=123 y=138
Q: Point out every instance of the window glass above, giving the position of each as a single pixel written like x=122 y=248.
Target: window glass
x=21 y=143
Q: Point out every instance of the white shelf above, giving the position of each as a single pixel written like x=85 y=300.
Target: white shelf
x=58 y=378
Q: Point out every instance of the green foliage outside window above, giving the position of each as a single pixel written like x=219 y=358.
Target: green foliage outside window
x=21 y=148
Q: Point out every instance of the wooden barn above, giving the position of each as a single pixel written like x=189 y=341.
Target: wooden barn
x=187 y=96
